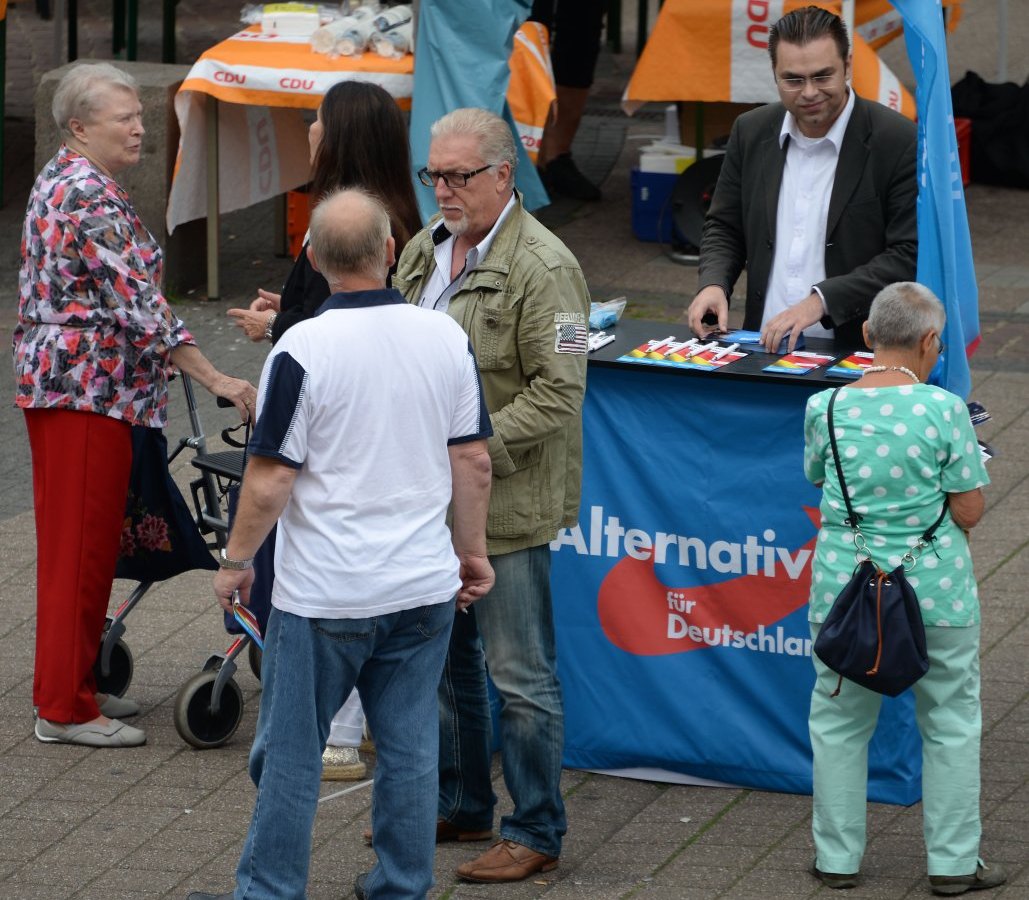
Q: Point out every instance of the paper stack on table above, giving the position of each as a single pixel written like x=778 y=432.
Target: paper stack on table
x=852 y=367
x=798 y=363
x=691 y=354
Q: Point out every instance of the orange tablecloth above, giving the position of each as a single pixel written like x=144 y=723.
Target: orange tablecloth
x=259 y=69
x=266 y=81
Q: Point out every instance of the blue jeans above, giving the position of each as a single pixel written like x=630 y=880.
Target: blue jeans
x=512 y=629
x=308 y=669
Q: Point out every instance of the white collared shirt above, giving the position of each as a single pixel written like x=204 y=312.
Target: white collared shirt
x=441 y=288
x=803 y=211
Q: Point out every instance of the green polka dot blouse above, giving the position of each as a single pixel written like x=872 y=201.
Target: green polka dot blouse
x=903 y=448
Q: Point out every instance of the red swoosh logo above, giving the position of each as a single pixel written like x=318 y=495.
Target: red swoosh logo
x=634 y=605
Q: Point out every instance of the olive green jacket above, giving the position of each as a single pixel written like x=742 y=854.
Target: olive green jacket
x=512 y=306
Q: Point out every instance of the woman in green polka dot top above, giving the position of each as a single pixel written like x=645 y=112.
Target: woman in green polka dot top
x=905 y=447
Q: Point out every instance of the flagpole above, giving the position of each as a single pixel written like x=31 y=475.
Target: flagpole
x=1002 y=48
x=848 y=18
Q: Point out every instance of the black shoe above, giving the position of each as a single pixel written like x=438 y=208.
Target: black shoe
x=982 y=879
x=359 y=886
x=834 y=880
x=562 y=176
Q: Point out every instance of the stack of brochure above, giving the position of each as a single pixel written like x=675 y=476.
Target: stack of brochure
x=852 y=367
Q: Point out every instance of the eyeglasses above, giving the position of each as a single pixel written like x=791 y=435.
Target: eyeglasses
x=450 y=179
x=940 y=346
x=793 y=83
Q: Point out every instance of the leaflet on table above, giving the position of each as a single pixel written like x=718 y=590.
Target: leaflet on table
x=798 y=363
x=691 y=354
x=752 y=340
x=852 y=367
x=715 y=358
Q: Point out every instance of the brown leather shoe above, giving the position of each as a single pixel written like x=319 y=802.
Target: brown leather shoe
x=506 y=861
x=445 y=834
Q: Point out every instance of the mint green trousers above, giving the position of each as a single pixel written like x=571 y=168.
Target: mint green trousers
x=949 y=718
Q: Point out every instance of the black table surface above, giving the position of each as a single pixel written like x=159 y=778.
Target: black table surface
x=631 y=333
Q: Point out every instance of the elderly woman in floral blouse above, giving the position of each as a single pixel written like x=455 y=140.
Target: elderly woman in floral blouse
x=94 y=339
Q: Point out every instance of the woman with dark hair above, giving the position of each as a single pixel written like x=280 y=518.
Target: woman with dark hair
x=359 y=139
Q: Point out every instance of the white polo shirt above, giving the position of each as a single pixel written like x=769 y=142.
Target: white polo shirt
x=363 y=399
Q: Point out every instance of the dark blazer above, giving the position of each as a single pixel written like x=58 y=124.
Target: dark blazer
x=304 y=291
x=871 y=233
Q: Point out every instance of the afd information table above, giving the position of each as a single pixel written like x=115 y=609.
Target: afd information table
x=680 y=597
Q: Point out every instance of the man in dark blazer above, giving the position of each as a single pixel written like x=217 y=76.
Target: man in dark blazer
x=822 y=169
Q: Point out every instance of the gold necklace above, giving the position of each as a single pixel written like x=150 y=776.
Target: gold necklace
x=903 y=369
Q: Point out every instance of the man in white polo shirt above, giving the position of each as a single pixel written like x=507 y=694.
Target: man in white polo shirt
x=371 y=422
x=816 y=198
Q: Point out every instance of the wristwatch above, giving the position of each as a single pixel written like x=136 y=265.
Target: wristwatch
x=227 y=563
x=269 y=325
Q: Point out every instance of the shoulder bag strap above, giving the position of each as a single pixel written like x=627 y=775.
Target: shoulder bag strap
x=853 y=519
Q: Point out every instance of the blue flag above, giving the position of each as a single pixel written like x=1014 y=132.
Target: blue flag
x=462 y=57
x=944 y=244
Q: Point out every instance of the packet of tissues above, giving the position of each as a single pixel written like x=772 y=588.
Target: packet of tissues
x=607 y=313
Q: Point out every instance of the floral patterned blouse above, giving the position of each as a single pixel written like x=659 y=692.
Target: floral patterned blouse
x=94 y=330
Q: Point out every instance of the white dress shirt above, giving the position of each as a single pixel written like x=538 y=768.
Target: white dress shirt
x=441 y=288
x=807 y=182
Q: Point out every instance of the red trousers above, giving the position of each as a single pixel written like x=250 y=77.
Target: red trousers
x=80 y=476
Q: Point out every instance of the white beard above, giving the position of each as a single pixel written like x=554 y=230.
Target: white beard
x=457 y=227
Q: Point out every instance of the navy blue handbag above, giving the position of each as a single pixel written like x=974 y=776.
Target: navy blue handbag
x=160 y=538
x=874 y=634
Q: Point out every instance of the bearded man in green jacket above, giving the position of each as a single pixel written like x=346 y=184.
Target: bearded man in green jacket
x=520 y=296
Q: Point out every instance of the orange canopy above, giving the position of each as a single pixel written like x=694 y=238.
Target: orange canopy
x=717 y=50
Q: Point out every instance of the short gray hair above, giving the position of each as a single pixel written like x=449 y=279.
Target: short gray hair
x=902 y=314
x=81 y=91
x=496 y=141
x=349 y=231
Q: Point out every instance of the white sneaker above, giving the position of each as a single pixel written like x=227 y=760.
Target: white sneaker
x=118 y=707
x=342 y=764
x=90 y=734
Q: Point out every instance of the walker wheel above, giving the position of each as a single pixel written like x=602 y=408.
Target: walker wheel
x=117 y=680
x=195 y=722
x=254 y=656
